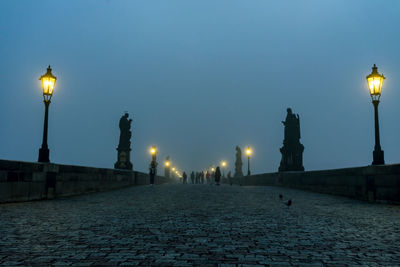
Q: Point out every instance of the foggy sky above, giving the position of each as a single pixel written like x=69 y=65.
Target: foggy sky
x=199 y=78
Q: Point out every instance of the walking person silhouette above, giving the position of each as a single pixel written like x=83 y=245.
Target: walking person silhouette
x=217 y=175
x=192 y=177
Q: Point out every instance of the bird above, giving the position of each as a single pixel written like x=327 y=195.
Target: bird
x=280 y=196
x=289 y=203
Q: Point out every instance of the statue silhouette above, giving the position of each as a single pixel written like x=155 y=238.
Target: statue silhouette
x=292 y=150
x=124 y=146
x=238 y=163
x=125 y=128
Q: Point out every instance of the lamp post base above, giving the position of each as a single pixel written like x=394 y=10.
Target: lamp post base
x=44 y=155
x=378 y=157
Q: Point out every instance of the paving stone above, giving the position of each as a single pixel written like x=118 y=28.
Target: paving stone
x=202 y=225
x=82 y=263
x=62 y=263
x=11 y=263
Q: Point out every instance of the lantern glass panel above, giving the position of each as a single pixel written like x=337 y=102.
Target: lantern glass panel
x=48 y=85
x=375 y=85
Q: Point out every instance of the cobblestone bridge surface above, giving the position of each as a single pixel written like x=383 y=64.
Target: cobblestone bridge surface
x=199 y=225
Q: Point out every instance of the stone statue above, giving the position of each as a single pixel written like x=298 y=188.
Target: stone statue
x=125 y=128
x=124 y=146
x=292 y=150
x=238 y=163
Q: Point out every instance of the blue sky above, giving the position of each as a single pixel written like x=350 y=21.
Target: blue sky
x=199 y=78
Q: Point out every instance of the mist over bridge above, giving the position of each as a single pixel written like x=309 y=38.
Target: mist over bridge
x=146 y=92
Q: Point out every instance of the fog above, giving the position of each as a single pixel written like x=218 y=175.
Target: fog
x=199 y=78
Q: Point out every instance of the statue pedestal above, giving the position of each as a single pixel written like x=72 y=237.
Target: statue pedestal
x=124 y=161
x=292 y=158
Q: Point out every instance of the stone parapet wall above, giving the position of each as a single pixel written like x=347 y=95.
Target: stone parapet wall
x=373 y=183
x=25 y=181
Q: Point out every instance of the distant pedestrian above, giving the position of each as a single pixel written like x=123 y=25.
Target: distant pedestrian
x=197 y=177
x=229 y=177
x=192 y=177
x=202 y=177
x=208 y=177
x=184 y=175
x=152 y=172
x=217 y=175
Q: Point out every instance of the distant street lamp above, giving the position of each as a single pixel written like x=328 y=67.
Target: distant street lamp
x=48 y=83
x=248 y=153
x=153 y=153
x=153 y=164
x=223 y=164
x=167 y=166
x=375 y=81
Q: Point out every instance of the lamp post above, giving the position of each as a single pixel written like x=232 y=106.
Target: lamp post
x=153 y=164
x=248 y=153
x=153 y=153
x=167 y=165
x=375 y=81
x=48 y=81
x=223 y=164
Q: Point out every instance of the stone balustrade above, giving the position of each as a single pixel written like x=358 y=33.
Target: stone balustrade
x=25 y=181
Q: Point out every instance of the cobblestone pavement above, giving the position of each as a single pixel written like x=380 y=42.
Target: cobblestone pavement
x=199 y=225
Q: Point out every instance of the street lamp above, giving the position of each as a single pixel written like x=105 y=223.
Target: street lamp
x=153 y=152
x=48 y=81
x=375 y=81
x=223 y=164
x=248 y=153
x=167 y=165
x=153 y=164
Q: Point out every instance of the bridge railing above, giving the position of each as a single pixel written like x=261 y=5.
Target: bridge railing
x=373 y=183
x=24 y=181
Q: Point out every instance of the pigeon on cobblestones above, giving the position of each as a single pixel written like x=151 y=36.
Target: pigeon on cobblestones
x=289 y=203
x=280 y=196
